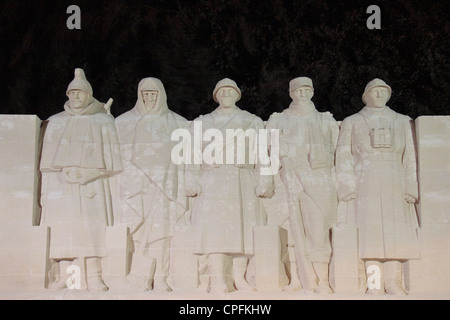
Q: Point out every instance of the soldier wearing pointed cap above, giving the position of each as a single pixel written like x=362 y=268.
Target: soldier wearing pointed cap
x=376 y=173
x=80 y=152
x=307 y=144
x=227 y=206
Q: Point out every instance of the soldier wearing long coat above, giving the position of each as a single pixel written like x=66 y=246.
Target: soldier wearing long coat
x=376 y=173
x=227 y=206
x=80 y=152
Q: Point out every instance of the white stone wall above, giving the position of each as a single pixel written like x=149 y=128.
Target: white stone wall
x=23 y=244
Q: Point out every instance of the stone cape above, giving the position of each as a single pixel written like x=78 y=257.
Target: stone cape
x=91 y=152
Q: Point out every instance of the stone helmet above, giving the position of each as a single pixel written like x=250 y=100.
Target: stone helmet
x=80 y=83
x=296 y=83
x=226 y=83
x=376 y=83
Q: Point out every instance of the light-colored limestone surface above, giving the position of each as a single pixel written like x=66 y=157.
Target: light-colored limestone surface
x=271 y=266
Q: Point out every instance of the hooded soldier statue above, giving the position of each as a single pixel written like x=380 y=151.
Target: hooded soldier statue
x=80 y=152
x=150 y=190
x=227 y=204
x=307 y=144
x=376 y=174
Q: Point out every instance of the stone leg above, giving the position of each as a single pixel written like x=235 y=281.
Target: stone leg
x=142 y=272
x=217 y=269
x=393 y=278
x=375 y=277
x=239 y=272
x=58 y=275
x=203 y=272
x=160 y=252
x=94 y=275
x=322 y=270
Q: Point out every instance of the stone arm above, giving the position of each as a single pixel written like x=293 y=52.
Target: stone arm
x=410 y=164
x=84 y=176
x=265 y=182
x=332 y=136
x=283 y=144
x=334 y=128
x=192 y=170
x=192 y=174
x=345 y=174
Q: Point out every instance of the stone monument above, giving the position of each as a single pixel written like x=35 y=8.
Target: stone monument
x=89 y=202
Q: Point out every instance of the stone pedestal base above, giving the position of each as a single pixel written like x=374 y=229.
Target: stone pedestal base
x=23 y=252
x=184 y=272
x=270 y=244
x=345 y=264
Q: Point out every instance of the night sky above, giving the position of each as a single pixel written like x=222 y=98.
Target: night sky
x=190 y=45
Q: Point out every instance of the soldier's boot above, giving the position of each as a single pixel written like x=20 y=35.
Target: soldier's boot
x=94 y=275
x=239 y=271
x=203 y=273
x=58 y=276
x=141 y=274
x=162 y=254
x=217 y=276
x=321 y=269
x=393 y=278
x=375 y=280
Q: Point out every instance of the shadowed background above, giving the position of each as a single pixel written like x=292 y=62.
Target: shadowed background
x=190 y=45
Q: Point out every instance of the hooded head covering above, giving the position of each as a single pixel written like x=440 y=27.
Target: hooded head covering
x=376 y=83
x=161 y=100
x=226 y=83
x=80 y=82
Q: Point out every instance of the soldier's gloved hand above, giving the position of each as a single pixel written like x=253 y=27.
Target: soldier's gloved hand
x=43 y=200
x=193 y=190
x=81 y=176
x=410 y=199
x=72 y=174
x=349 y=197
x=264 y=192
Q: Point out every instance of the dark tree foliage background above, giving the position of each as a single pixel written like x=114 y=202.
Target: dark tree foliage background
x=192 y=44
